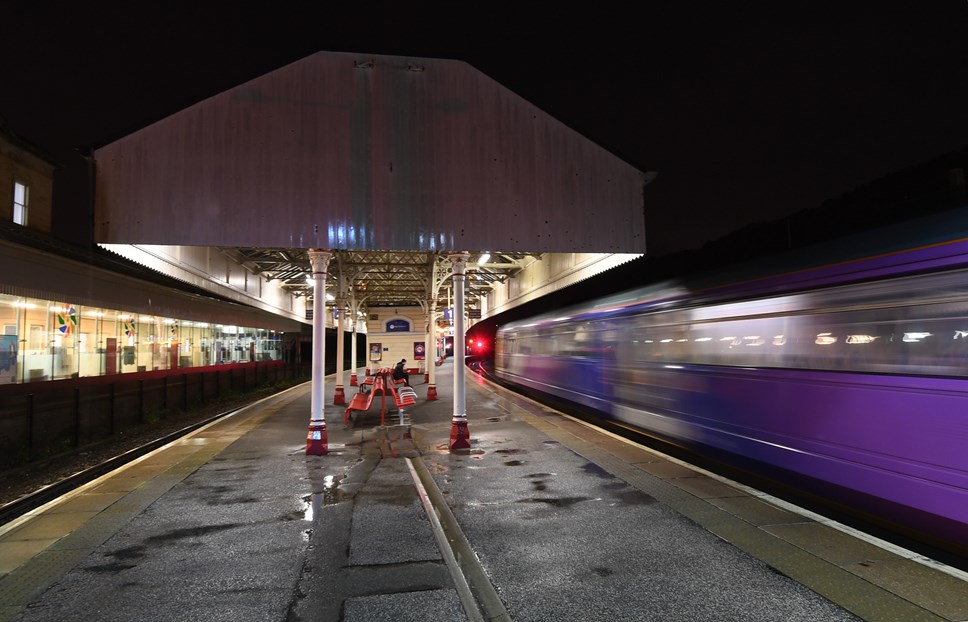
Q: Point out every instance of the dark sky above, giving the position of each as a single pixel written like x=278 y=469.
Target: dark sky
x=747 y=110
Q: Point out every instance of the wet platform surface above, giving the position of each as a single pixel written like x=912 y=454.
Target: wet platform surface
x=542 y=519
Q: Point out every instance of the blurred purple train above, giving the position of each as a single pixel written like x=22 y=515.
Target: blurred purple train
x=847 y=381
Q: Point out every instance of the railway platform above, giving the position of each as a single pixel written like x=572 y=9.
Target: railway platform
x=544 y=518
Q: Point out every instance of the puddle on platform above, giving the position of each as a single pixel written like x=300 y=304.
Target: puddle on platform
x=332 y=449
x=558 y=502
x=311 y=505
x=636 y=497
x=195 y=440
x=330 y=494
x=593 y=469
x=444 y=448
x=511 y=452
x=513 y=463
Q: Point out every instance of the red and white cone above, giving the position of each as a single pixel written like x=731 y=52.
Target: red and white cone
x=317 y=443
x=339 y=397
x=432 y=392
x=460 y=438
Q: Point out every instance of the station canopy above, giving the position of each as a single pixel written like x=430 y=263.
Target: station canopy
x=391 y=162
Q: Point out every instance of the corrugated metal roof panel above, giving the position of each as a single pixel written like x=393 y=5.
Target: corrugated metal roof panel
x=359 y=152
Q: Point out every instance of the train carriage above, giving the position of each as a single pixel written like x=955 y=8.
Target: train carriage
x=849 y=381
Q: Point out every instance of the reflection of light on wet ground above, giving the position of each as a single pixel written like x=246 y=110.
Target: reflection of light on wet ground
x=195 y=440
x=333 y=449
x=329 y=495
x=311 y=504
x=444 y=448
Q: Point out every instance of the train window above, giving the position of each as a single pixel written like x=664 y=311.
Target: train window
x=924 y=339
x=915 y=325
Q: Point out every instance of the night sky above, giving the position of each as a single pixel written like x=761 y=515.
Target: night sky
x=748 y=111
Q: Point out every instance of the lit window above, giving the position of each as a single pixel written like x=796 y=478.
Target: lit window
x=20 y=204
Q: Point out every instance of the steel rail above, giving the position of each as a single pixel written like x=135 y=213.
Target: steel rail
x=18 y=507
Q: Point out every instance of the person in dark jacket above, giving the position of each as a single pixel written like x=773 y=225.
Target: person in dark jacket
x=399 y=372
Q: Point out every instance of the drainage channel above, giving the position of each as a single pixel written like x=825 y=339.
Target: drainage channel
x=477 y=595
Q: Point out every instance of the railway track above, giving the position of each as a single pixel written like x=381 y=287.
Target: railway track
x=30 y=501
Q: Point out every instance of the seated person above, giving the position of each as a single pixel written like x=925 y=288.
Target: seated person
x=399 y=372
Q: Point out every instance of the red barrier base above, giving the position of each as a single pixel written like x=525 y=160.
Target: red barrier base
x=317 y=443
x=367 y=371
x=426 y=378
x=460 y=438
x=432 y=392
x=353 y=381
x=339 y=397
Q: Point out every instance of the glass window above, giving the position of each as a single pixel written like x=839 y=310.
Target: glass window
x=20 y=193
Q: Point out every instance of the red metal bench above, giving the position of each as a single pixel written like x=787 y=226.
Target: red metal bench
x=371 y=385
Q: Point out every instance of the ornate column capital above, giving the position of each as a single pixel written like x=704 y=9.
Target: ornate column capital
x=459 y=261
x=319 y=260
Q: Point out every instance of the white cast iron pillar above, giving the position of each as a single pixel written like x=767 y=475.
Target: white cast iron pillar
x=459 y=435
x=339 y=397
x=430 y=349
x=355 y=319
x=317 y=444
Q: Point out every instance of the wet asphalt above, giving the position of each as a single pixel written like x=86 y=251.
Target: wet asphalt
x=258 y=530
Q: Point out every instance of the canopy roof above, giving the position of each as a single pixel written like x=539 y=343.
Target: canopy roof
x=368 y=153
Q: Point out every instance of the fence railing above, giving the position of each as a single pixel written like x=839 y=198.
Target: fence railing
x=42 y=419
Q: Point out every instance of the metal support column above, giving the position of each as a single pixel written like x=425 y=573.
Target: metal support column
x=317 y=443
x=459 y=435
x=339 y=397
x=354 y=319
x=430 y=349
